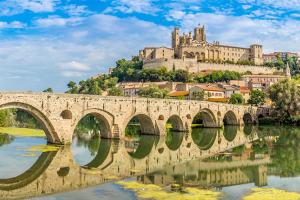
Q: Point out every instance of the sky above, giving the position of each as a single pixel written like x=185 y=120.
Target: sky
x=47 y=43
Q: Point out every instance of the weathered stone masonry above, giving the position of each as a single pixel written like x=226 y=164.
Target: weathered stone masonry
x=60 y=113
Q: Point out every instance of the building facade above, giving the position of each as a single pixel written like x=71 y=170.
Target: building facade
x=195 y=46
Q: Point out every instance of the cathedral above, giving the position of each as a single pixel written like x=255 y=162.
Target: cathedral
x=194 y=46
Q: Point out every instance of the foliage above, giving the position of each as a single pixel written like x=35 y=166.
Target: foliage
x=285 y=96
x=219 y=76
x=257 y=97
x=153 y=91
x=236 y=99
x=115 y=91
x=281 y=64
x=7 y=117
x=198 y=95
x=49 y=90
x=6 y=139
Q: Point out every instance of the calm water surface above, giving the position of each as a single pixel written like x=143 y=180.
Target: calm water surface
x=229 y=162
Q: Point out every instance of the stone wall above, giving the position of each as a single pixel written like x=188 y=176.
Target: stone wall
x=192 y=66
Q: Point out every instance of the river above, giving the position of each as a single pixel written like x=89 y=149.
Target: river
x=229 y=163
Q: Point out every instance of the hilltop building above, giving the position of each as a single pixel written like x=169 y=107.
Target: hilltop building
x=272 y=57
x=192 y=52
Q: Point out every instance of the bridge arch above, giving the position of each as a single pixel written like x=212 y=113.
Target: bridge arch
x=207 y=117
x=104 y=118
x=144 y=122
x=176 y=123
x=47 y=126
x=230 y=118
x=144 y=148
x=248 y=119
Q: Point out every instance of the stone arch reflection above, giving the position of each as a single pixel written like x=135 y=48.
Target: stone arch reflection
x=248 y=129
x=204 y=138
x=174 y=139
x=102 y=154
x=230 y=132
x=30 y=175
x=141 y=148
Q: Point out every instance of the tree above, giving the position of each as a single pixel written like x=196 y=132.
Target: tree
x=49 y=90
x=285 y=96
x=115 y=91
x=73 y=88
x=236 y=99
x=198 y=95
x=257 y=97
x=153 y=91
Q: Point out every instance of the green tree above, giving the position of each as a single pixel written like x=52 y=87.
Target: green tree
x=49 y=90
x=257 y=97
x=72 y=87
x=236 y=99
x=198 y=95
x=285 y=96
x=153 y=91
x=115 y=91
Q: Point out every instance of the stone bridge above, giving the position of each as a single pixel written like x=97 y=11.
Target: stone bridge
x=60 y=113
x=55 y=172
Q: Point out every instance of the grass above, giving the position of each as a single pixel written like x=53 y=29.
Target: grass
x=22 y=132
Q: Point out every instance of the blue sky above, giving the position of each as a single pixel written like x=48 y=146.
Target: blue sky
x=47 y=43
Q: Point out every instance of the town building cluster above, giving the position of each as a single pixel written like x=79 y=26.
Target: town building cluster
x=215 y=92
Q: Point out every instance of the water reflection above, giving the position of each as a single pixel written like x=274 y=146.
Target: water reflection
x=206 y=158
x=204 y=138
x=6 y=139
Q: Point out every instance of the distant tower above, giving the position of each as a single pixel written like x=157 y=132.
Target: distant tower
x=175 y=38
x=199 y=34
x=288 y=71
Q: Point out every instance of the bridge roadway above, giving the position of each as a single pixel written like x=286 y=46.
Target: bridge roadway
x=60 y=113
x=56 y=172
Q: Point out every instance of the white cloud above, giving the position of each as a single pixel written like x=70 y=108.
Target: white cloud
x=287 y=4
x=55 y=20
x=38 y=5
x=14 y=24
x=133 y=6
x=74 y=53
x=77 y=10
x=12 y=7
x=74 y=66
x=274 y=35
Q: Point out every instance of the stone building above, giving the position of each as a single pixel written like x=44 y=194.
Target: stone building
x=195 y=46
x=272 y=57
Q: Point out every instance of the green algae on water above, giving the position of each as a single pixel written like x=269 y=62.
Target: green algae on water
x=151 y=191
x=271 y=194
x=22 y=132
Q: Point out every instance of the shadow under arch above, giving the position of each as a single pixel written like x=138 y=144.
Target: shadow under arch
x=34 y=172
x=174 y=139
x=144 y=122
x=230 y=118
x=104 y=119
x=176 y=122
x=145 y=146
x=102 y=154
x=48 y=128
x=204 y=138
x=206 y=117
x=230 y=132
